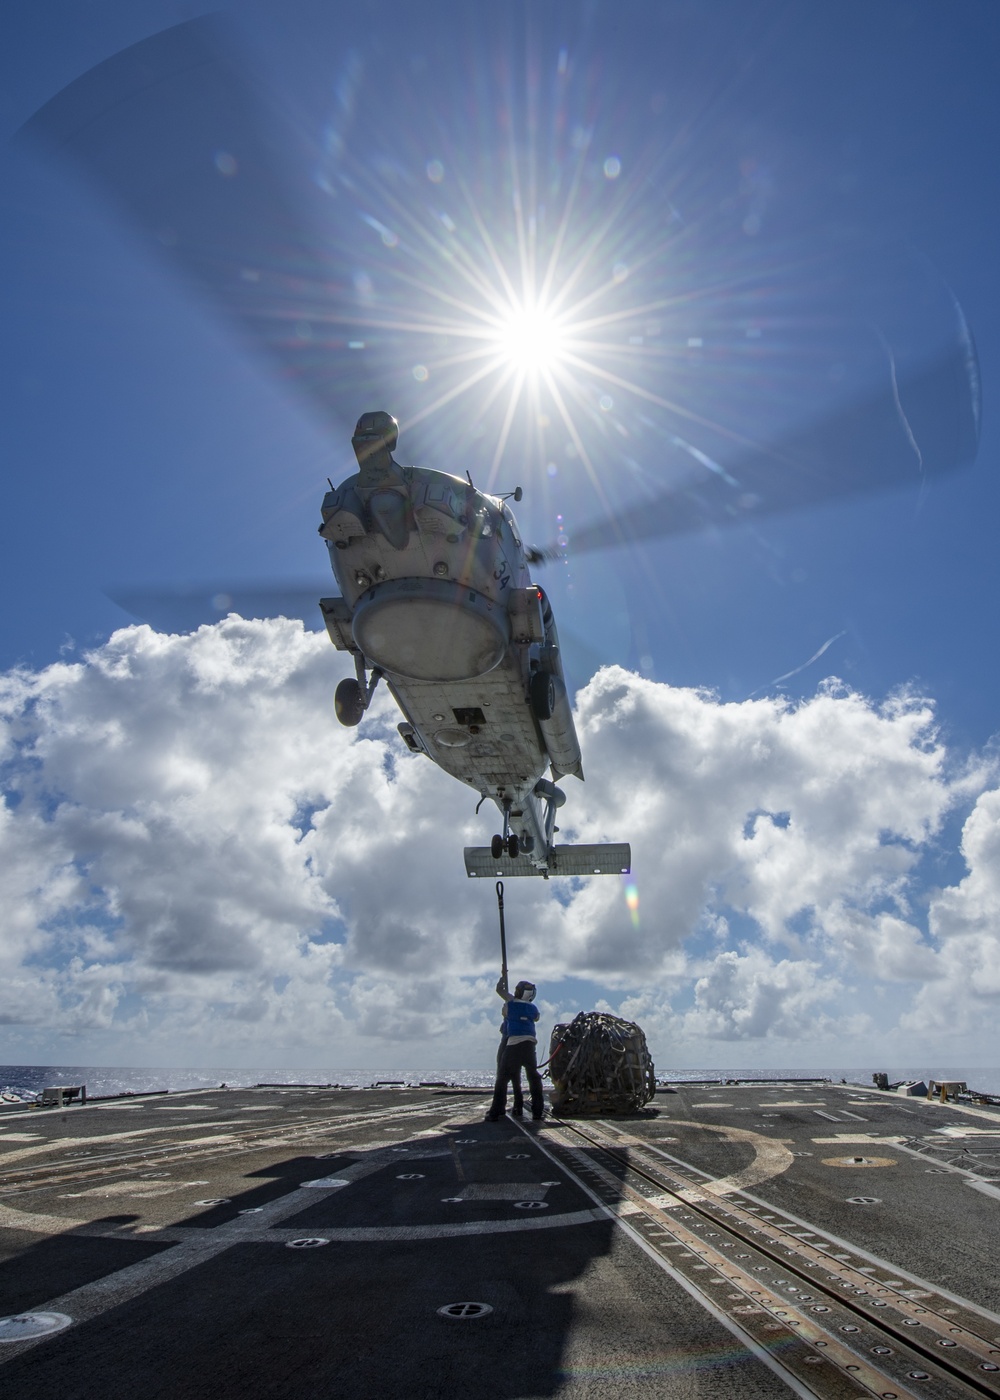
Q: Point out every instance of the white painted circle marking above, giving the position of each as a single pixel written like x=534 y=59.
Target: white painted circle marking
x=24 y=1327
x=464 y=1312
x=311 y=1242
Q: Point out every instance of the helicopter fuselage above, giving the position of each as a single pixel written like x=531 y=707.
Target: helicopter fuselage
x=437 y=599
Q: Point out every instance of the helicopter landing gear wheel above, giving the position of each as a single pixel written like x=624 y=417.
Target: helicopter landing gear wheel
x=496 y=847
x=513 y=846
x=349 y=703
x=542 y=694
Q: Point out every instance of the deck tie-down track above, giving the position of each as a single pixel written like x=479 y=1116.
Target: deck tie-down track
x=845 y=1333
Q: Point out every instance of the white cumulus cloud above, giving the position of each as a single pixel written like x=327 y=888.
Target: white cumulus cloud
x=195 y=856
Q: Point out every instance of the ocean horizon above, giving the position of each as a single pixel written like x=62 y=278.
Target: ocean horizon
x=24 y=1082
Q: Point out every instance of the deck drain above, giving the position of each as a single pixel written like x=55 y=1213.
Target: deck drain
x=517 y=1156
x=917 y=1376
x=251 y=1210
x=410 y=1176
x=24 y=1327
x=310 y=1242
x=464 y=1312
x=214 y=1201
x=863 y=1201
x=531 y=1205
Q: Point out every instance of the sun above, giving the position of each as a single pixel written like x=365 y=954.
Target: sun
x=530 y=339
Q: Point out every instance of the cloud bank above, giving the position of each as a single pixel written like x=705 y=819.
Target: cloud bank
x=198 y=864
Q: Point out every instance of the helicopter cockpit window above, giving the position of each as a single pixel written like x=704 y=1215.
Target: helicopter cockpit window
x=486 y=524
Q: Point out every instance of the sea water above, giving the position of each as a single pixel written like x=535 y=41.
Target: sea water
x=25 y=1082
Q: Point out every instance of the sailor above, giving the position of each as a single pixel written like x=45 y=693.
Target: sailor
x=521 y=1015
x=517 y=1111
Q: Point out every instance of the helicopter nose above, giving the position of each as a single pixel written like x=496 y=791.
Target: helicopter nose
x=375 y=431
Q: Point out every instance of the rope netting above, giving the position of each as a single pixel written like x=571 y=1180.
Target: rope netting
x=600 y=1064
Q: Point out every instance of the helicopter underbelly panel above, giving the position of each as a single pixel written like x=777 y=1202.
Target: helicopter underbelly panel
x=481 y=731
x=430 y=629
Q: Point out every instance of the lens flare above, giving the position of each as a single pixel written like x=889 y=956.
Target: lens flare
x=632 y=901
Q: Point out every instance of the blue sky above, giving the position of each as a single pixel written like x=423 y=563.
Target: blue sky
x=745 y=188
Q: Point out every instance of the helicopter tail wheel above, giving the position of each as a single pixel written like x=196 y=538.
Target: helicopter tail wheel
x=542 y=694
x=496 y=847
x=513 y=846
x=349 y=702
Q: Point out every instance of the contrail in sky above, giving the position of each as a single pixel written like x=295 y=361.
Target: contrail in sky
x=788 y=674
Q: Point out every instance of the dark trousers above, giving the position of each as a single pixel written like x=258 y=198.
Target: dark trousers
x=518 y=1104
x=515 y=1058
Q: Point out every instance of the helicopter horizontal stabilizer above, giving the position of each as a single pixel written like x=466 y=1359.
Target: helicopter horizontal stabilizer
x=612 y=859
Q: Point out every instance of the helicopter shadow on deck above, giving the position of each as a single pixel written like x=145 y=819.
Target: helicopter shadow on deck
x=262 y=1318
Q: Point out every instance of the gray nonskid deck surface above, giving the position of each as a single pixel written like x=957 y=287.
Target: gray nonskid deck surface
x=300 y=1243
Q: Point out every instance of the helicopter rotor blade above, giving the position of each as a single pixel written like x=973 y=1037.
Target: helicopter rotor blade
x=911 y=428
x=186 y=607
x=196 y=157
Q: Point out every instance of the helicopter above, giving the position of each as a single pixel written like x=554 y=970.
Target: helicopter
x=436 y=599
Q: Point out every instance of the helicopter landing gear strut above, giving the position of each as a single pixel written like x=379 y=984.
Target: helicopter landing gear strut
x=508 y=841
x=353 y=697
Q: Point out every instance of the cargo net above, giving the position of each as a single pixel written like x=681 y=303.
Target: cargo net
x=600 y=1064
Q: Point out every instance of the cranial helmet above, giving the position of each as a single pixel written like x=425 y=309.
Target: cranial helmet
x=525 y=991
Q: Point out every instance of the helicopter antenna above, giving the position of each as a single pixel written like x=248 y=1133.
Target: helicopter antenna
x=332 y=487
x=468 y=477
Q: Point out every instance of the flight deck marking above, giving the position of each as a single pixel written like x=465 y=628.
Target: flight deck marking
x=771 y=1158
x=37 y=1224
